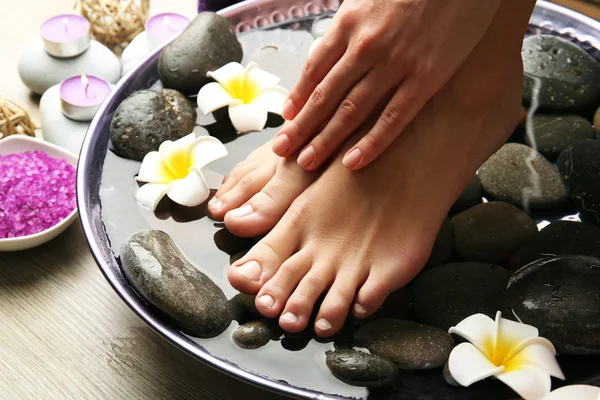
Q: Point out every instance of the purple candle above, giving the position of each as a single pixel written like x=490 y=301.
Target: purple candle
x=163 y=27
x=66 y=35
x=81 y=95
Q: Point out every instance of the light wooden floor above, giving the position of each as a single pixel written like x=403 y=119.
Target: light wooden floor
x=63 y=332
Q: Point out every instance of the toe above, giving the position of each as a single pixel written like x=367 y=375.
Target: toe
x=274 y=295
x=266 y=208
x=299 y=306
x=372 y=294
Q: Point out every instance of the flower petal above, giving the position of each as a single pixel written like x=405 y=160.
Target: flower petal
x=575 y=392
x=174 y=155
x=228 y=71
x=261 y=78
x=480 y=330
x=150 y=194
x=248 y=117
x=205 y=150
x=530 y=382
x=539 y=351
x=468 y=365
x=190 y=191
x=272 y=99
x=213 y=96
x=153 y=170
x=509 y=336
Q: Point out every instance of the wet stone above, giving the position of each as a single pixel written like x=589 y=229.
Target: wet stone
x=147 y=118
x=255 y=334
x=520 y=175
x=491 y=232
x=207 y=44
x=361 y=369
x=246 y=305
x=554 y=133
x=160 y=274
x=409 y=345
x=559 y=238
x=448 y=376
x=569 y=77
x=580 y=167
x=471 y=196
x=561 y=297
x=443 y=246
x=445 y=295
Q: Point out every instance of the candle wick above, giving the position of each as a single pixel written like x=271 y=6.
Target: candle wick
x=89 y=94
x=65 y=22
x=167 y=22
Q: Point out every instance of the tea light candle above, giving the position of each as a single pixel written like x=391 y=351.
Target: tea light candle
x=163 y=27
x=81 y=95
x=66 y=35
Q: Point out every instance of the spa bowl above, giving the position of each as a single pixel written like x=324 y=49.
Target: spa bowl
x=243 y=17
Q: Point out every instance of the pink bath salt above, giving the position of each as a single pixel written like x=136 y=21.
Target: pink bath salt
x=36 y=192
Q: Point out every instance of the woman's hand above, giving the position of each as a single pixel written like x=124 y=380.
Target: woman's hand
x=375 y=51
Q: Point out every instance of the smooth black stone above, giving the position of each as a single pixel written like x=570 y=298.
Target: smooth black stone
x=445 y=295
x=554 y=133
x=559 y=238
x=580 y=167
x=570 y=78
x=508 y=176
x=409 y=345
x=443 y=246
x=361 y=369
x=491 y=232
x=471 y=195
x=561 y=297
x=255 y=334
x=207 y=44
x=160 y=274
x=147 y=118
x=247 y=306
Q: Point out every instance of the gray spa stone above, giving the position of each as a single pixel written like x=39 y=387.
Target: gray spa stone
x=39 y=70
x=554 y=133
x=409 y=345
x=162 y=275
x=255 y=334
x=361 y=369
x=507 y=176
x=137 y=49
x=58 y=129
x=561 y=297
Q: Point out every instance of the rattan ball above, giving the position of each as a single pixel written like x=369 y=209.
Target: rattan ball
x=114 y=23
x=14 y=120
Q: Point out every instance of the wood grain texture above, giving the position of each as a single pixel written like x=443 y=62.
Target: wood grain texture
x=64 y=333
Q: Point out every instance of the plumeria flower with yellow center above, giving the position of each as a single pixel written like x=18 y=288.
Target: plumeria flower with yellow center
x=251 y=94
x=509 y=351
x=575 y=392
x=175 y=170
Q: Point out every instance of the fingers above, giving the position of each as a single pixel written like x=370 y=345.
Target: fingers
x=401 y=109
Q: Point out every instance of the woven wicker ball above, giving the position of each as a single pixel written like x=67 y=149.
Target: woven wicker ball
x=14 y=120
x=114 y=23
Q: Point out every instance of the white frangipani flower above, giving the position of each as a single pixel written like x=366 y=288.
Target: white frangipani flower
x=575 y=392
x=175 y=170
x=251 y=93
x=509 y=351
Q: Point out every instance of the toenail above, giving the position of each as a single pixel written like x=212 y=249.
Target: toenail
x=359 y=309
x=241 y=212
x=266 y=301
x=307 y=157
x=289 y=318
x=216 y=205
x=323 y=324
x=281 y=144
x=352 y=158
x=250 y=270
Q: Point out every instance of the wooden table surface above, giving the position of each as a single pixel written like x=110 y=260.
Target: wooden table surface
x=64 y=333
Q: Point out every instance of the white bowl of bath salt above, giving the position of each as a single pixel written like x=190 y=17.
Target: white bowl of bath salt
x=37 y=192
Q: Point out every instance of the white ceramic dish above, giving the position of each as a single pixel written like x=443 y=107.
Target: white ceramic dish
x=19 y=144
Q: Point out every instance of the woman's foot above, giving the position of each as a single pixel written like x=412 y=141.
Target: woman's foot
x=357 y=236
x=258 y=191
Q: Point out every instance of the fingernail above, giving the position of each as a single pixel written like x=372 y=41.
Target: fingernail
x=288 y=110
x=352 y=159
x=323 y=324
x=289 y=318
x=250 y=270
x=359 y=309
x=281 y=144
x=216 y=205
x=266 y=301
x=241 y=212
x=307 y=157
